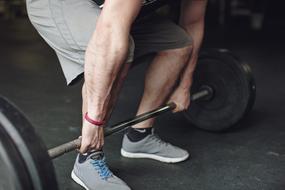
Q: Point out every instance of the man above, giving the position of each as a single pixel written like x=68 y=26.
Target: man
x=102 y=43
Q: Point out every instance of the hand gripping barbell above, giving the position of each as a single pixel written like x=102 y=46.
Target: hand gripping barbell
x=205 y=92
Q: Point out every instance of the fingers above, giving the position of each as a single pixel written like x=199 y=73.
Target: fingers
x=181 y=107
x=181 y=98
x=92 y=138
x=84 y=147
x=95 y=144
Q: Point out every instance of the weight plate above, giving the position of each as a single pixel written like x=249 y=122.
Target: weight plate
x=233 y=86
x=13 y=173
x=23 y=155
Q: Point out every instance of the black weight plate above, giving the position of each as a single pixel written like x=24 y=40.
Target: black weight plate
x=25 y=163
x=13 y=173
x=234 y=91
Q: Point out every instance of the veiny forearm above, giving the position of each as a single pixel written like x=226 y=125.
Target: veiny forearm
x=192 y=20
x=105 y=55
x=197 y=33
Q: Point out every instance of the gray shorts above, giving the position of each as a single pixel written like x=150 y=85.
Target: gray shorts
x=67 y=26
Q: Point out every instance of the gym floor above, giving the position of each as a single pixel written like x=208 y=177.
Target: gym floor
x=251 y=158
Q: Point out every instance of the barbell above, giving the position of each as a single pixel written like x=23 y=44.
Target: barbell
x=223 y=93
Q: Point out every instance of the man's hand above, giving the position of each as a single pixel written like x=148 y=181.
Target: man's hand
x=92 y=137
x=181 y=97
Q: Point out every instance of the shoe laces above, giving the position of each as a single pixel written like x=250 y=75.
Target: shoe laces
x=157 y=139
x=102 y=168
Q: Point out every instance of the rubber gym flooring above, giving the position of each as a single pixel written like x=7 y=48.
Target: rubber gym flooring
x=251 y=158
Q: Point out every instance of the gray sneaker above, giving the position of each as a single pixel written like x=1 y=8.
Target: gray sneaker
x=154 y=148
x=91 y=172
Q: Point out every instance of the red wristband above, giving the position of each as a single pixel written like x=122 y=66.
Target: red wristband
x=94 y=122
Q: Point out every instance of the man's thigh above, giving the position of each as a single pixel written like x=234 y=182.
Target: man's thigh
x=156 y=33
x=67 y=26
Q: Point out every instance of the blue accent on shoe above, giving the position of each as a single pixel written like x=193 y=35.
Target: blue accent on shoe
x=102 y=168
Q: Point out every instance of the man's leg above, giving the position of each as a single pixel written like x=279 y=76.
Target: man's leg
x=160 y=80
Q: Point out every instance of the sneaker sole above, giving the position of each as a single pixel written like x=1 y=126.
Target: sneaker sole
x=77 y=180
x=153 y=156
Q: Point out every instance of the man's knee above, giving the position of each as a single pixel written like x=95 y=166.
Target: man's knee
x=181 y=53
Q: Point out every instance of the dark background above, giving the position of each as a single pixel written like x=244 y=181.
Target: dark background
x=252 y=158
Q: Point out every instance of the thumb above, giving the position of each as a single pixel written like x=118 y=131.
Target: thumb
x=84 y=147
x=177 y=108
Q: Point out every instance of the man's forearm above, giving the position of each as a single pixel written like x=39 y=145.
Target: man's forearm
x=196 y=31
x=192 y=20
x=105 y=55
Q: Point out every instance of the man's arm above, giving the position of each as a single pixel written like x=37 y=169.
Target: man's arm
x=105 y=55
x=107 y=52
x=192 y=20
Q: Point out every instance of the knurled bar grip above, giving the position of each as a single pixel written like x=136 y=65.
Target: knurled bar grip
x=75 y=144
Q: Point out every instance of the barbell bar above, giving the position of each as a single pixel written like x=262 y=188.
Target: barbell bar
x=205 y=92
